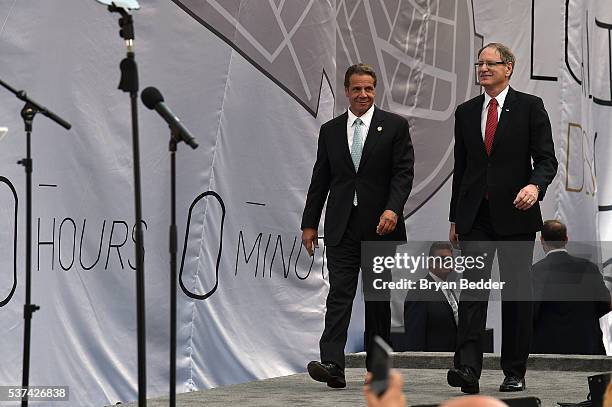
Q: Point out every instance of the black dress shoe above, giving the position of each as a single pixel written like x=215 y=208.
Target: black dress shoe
x=513 y=383
x=327 y=372
x=465 y=378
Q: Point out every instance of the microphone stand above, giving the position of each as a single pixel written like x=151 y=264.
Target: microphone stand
x=173 y=274
x=28 y=112
x=175 y=138
x=129 y=83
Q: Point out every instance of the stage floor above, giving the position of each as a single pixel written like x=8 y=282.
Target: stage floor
x=422 y=386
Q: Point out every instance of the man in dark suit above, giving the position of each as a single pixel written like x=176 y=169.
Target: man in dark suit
x=365 y=162
x=569 y=298
x=494 y=208
x=431 y=316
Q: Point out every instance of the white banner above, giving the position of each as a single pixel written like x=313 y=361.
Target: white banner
x=253 y=80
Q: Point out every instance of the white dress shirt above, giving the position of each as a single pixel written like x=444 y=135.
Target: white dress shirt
x=501 y=98
x=366 y=118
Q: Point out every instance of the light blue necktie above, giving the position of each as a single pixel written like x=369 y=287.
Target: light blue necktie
x=356 y=149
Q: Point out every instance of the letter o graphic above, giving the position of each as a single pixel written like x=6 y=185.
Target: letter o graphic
x=13 y=197
x=193 y=204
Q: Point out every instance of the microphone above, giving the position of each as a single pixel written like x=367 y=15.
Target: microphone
x=153 y=99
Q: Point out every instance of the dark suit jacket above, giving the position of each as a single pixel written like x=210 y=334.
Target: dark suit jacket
x=383 y=181
x=523 y=133
x=429 y=322
x=570 y=297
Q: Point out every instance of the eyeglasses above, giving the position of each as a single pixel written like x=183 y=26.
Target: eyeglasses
x=489 y=64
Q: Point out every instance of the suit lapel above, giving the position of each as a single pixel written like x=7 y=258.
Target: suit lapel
x=373 y=136
x=475 y=114
x=342 y=140
x=444 y=299
x=506 y=116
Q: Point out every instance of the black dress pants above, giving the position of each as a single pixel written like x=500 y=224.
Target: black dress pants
x=343 y=263
x=515 y=255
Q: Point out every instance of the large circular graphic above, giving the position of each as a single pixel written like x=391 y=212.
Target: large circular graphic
x=423 y=52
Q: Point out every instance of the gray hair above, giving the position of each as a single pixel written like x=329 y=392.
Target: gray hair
x=504 y=53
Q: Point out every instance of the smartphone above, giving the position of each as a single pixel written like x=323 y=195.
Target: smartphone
x=381 y=364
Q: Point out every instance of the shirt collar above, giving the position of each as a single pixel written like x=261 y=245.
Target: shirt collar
x=500 y=98
x=556 y=251
x=366 y=118
x=435 y=278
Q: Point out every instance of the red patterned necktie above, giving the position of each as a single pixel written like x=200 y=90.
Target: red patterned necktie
x=491 y=125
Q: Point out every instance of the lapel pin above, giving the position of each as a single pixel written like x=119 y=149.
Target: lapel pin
x=379 y=128
x=507 y=110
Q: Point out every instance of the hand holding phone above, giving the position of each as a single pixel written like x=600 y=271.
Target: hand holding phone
x=393 y=397
x=381 y=364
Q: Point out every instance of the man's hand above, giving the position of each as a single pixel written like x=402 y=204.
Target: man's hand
x=310 y=240
x=393 y=397
x=387 y=223
x=452 y=235
x=526 y=198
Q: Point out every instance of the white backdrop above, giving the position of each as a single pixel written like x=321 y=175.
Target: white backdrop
x=253 y=80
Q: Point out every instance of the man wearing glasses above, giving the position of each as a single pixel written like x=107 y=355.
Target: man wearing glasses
x=504 y=161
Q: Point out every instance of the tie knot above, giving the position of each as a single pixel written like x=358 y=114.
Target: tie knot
x=493 y=102
x=357 y=122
